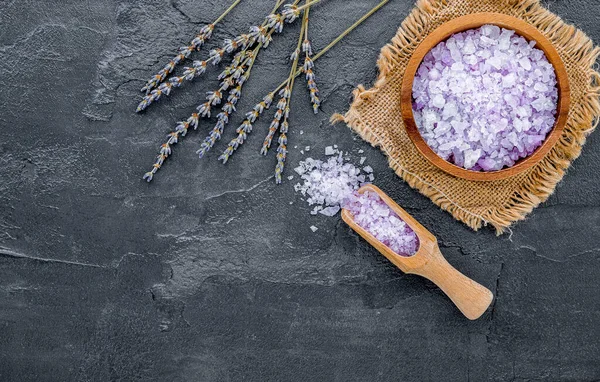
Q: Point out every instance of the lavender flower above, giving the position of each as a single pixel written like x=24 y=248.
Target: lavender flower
x=308 y=66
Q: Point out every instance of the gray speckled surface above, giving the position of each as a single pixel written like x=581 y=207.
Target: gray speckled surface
x=209 y=274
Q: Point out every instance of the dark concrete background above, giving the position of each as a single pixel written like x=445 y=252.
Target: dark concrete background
x=208 y=273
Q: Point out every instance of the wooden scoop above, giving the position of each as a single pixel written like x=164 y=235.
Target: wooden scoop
x=470 y=297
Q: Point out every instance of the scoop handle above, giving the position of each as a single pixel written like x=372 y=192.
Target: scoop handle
x=470 y=297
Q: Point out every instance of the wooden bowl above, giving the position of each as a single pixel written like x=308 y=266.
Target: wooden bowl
x=464 y=23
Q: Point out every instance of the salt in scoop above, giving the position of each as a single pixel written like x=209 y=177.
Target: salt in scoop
x=471 y=298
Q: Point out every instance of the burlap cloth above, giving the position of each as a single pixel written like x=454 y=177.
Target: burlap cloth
x=375 y=115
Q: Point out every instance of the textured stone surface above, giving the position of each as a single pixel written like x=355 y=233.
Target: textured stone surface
x=208 y=273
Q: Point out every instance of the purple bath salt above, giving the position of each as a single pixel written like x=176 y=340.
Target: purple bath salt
x=485 y=98
x=373 y=214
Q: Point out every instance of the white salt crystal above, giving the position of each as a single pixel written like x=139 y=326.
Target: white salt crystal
x=301 y=132
x=439 y=101
x=525 y=63
x=361 y=151
x=330 y=211
x=307 y=148
x=313 y=228
x=368 y=169
x=362 y=160
x=329 y=150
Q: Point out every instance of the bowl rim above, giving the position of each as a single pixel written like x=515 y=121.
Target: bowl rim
x=472 y=21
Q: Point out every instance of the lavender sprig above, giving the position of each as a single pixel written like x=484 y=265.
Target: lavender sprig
x=308 y=67
x=287 y=93
x=173 y=138
x=203 y=35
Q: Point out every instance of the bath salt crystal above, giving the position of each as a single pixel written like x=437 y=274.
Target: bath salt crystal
x=316 y=210
x=371 y=213
x=313 y=228
x=329 y=150
x=485 y=98
x=362 y=160
x=330 y=211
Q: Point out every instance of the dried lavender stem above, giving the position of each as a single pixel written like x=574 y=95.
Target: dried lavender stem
x=220 y=18
x=305 y=21
x=308 y=4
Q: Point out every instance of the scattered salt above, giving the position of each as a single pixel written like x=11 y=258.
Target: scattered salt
x=313 y=228
x=329 y=150
x=368 y=169
x=307 y=148
x=362 y=160
x=485 y=98
x=361 y=151
x=328 y=183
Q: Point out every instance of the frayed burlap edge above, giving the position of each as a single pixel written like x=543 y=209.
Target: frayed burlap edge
x=538 y=184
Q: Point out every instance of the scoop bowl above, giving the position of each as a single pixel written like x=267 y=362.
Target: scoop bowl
x=471 y=298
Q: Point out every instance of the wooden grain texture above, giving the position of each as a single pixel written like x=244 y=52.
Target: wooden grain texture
x=469 y=22
x=471 y=298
